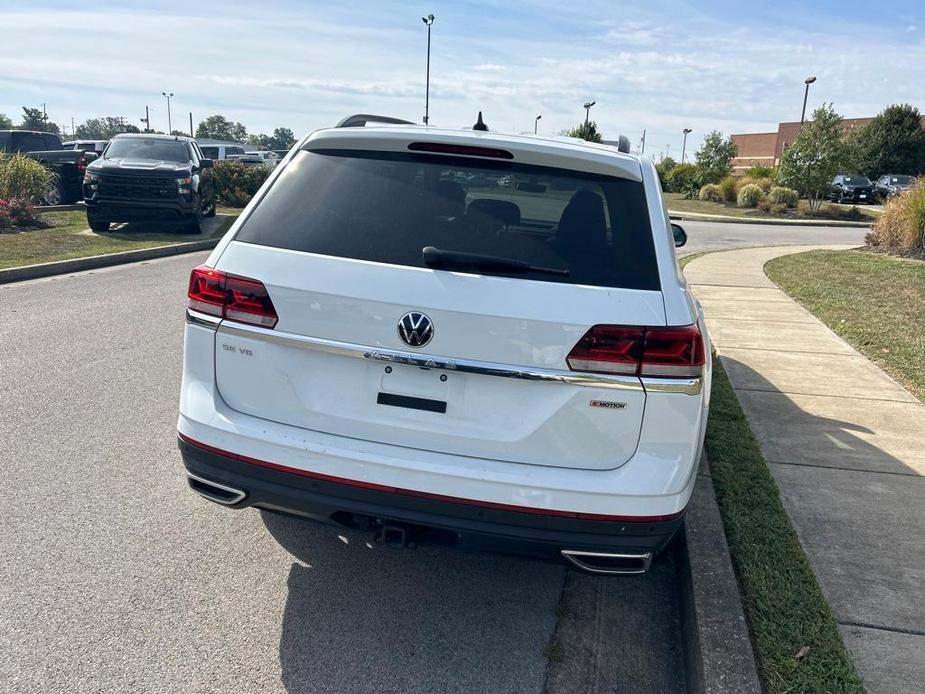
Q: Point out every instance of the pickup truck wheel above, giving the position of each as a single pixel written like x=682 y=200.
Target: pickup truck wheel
x=54 y=194
x=98 y=224
x=194 y=226
x=213 y=208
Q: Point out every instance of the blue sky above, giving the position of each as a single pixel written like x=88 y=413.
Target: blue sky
x=662 y=66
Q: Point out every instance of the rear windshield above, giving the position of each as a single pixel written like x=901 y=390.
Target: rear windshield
x=386 y=208
x=901 y=180
x=857 y=180
x=140 y=148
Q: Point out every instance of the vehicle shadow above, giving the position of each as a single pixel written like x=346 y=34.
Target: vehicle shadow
x=790 y=434
x=363 y=617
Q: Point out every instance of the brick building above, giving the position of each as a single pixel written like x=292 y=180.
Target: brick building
x=765 y=149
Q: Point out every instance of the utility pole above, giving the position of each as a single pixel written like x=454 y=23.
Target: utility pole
x=808 y=81
x=169 y=124
x=428 y=21
x=147 y=120
x=686 y=131
x=191 y=124
x=588 y=105
x=643 y=150
x=667 y=149
x=73 y=129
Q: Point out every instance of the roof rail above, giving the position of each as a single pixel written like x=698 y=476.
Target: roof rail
x=358 y=120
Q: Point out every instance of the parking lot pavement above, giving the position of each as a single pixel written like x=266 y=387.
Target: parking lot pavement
x=117 y=578
x=712 y=236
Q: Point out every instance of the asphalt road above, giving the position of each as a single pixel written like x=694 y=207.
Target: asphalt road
x=114 y=577
x=710 y=236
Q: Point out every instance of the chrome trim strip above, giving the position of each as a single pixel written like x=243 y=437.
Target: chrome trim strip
x=203 y=319
x=429 y=361
x=576 y=557
x=687 y=386
x=238 y=493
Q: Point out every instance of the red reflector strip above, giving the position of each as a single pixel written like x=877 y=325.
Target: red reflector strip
x=467 y=150
x=428 y=495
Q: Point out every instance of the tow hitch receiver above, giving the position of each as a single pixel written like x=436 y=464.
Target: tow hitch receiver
x=395 y=535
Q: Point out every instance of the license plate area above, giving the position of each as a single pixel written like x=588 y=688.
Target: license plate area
x=411 y=403
x=430 y=384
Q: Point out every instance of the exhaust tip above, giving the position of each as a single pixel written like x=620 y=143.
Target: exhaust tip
x=213 y=491
x=610 y=563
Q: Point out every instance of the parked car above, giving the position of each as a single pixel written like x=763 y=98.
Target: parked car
x=889 y=185
x=68 y=165
x=150 y=177
x=251 y=159
x=376 y=345
x=87 y=145
x=221 y=152
x=852 y=189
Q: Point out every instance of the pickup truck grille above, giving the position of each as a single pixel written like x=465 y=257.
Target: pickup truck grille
x=138 y=187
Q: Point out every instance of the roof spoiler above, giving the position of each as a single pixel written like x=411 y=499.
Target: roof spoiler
x=358 y=120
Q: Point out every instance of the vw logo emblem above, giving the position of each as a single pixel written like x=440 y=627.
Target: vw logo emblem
x=415 y=329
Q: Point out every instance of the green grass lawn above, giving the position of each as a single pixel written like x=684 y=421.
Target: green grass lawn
x=786 y=612
x=678 y=203
x=875 y=302
x=794 y=632
x=64 y=240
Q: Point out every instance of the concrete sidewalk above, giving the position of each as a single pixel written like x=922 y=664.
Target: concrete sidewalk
x=846 y=445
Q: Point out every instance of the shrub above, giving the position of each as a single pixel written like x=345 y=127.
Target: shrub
x=711 y=192
x=683 y=179
x=749 y=195
x=663 y=167
x=236 y=184
x=22 y=178
x=901 y=226
x=778 y=209
x=764 y=205
x=729 y=187
x=18 y=213
x=764 y=183
x=783 y=196
x=759 y=171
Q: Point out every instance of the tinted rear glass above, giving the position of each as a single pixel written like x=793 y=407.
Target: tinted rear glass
x=857 y=180
x=140 y=148
x=387 y=207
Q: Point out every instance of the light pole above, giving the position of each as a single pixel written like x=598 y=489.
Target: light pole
x=686 y=131
x=536 y=122
x=808 y=81
x=667 y=149
x=588 y=105
x=169 y=124
x=428 y=21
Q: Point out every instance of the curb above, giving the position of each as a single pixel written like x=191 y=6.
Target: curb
x=76 y=207
x=60 y=267
x=718 y=650
x=698 y=217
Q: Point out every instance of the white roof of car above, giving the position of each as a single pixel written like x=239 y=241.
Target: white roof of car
x=555 y=151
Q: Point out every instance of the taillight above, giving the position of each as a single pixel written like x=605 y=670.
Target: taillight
x=81 y=164
x=651 y=351
x=231 y=297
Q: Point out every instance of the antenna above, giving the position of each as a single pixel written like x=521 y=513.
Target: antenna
x=479 y=124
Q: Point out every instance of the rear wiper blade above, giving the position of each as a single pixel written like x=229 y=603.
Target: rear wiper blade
x=457 y=260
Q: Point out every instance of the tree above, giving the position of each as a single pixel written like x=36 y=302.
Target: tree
x=220 y=128
x=103 y=128
x=586 y=131
x=282 y=138
x=6 y=122
x=892 y=143
x=714 y=160
x=816 y=156
x=35 y=119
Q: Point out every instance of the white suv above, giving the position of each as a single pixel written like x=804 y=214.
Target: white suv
x=454 y=335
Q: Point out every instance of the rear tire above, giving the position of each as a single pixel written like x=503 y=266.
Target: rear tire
x=98 y=224
x=54 y=194
x=213 y=208
x=194 y=226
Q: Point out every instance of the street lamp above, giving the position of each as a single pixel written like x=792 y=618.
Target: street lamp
x=588 y=105
x=686 y=132
x=808 y=81
x=169 y=124
x=536 y=122
x=428 y=21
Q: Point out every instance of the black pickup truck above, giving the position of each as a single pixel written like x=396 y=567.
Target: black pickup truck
x=161 y=178
x=67 y=164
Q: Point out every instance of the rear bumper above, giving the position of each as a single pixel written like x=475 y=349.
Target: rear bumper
x=461 y=522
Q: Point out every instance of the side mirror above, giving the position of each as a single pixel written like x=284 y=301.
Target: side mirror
x=90 y=156
x=680 y=236
x=206 y=164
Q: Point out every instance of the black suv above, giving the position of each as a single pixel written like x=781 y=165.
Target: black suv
x=150 y=177
x=889 y=185
x=851 y=189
